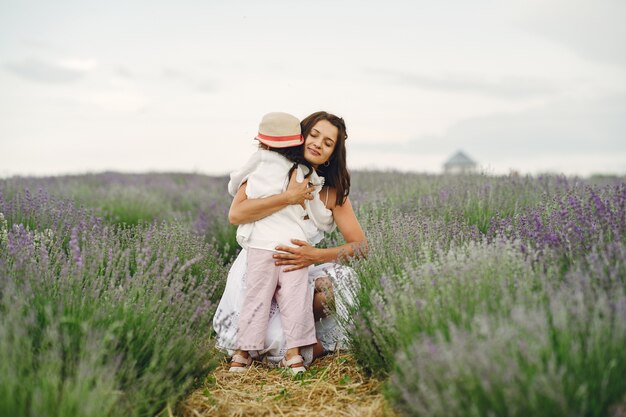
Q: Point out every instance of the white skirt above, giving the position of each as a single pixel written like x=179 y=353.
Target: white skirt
x=331 y=334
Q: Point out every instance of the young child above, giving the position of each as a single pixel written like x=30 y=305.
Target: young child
x=267 y=173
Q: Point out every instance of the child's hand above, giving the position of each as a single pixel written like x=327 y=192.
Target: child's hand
x=297 y=192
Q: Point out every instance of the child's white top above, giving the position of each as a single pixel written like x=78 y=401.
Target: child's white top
x=266 y=175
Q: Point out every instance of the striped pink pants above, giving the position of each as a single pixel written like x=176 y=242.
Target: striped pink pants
x=265 y=281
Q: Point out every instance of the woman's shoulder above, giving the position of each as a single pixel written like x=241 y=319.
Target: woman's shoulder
x=329 y=197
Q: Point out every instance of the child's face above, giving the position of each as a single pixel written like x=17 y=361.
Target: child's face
x=320 y=143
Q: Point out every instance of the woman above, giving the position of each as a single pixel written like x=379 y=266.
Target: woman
x=324 y=148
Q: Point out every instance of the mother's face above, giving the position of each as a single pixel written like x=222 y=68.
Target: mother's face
x=320 y=143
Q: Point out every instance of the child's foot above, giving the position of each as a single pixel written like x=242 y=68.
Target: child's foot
x=240 y=362
x=295 y=364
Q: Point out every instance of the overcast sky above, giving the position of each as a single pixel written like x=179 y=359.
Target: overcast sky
x=138 y=86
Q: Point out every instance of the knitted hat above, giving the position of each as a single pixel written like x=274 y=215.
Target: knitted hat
x=280 y=130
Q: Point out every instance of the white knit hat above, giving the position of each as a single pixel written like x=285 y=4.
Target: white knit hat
x=280 y=130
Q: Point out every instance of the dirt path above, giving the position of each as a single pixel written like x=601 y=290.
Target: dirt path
x=333 y=386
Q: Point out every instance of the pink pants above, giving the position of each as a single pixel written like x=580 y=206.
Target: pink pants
x=265 y=281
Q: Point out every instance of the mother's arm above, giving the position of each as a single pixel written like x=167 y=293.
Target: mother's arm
x=244 y=210
x=305 y=255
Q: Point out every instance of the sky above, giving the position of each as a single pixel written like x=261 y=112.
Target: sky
x=142 y=86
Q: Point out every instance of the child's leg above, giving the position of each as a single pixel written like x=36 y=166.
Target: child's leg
x=296 y=307
x=261 y=282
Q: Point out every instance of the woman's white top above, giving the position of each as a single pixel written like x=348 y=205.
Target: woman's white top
x=266 y=175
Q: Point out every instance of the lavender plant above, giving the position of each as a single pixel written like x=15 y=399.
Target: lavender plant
x=565 y=358
x=448 y=287
x=481 y=295
x=472 y=199
x=442 y=313
x=196 y=201
x=97 y=319
x=567 y=228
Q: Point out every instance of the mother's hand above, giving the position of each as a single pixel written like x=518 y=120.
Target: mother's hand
x=297 y=192
x=301 y=257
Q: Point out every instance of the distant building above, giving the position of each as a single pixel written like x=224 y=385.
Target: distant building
x=459 y=163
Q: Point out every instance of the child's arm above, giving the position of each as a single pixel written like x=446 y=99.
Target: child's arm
x=239 y=177
x=244 y=210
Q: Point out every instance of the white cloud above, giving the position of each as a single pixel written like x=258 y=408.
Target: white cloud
x=54 y=72
x=575 y=135
x=593 y=29
x=507 y=87
x=197 y=83
x=454 y=75
x=123 y=101
x=77 y=64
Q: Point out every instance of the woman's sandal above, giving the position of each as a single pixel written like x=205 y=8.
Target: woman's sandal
x=284 y=363
x=242 y=360
x=307 y=354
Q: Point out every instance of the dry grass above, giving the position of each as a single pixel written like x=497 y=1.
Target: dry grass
x=333 y=386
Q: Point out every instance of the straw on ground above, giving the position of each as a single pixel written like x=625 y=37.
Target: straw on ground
x=333 y=386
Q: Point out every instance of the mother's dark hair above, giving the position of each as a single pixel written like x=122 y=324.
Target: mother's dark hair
x=336 y=172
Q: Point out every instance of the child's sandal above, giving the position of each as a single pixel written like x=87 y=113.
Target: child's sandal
x=242 y=360
x=284 y=363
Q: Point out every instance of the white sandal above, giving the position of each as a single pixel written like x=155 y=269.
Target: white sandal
x=242 y=360
x=284 y=363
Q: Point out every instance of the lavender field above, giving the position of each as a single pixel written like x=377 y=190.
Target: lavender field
x=481 y=295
